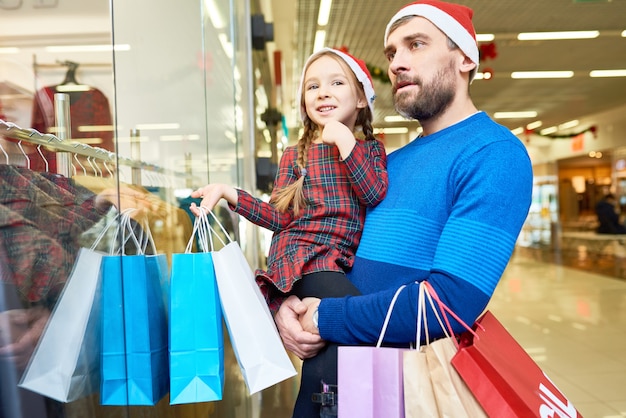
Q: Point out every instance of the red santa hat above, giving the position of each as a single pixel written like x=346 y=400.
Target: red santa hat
x=454 y=20
x=358 y=67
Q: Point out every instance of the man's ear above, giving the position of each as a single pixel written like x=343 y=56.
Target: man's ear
x=467 y=65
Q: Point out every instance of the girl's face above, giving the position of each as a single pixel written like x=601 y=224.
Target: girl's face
x=330 y=93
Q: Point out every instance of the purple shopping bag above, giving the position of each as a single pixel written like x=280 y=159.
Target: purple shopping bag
x=370 y=379
x=370 y=382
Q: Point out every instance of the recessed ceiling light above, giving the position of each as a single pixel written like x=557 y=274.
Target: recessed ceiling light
x=485 y=37
x=514 y=115
x=607 y=73
x=542 y=74
x=547 y=36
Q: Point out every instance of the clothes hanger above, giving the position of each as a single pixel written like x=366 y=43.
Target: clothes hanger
x=79 y=163
x=70 y=75
x=19 y=144
x=43 y=157
x=70 y=84
x=4 y=152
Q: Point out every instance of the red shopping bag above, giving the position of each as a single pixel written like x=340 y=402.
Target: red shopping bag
x=504 y=378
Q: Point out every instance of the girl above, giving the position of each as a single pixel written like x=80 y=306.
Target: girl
x=321 y=190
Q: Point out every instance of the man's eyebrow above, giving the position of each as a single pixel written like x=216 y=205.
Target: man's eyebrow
x=410 y=38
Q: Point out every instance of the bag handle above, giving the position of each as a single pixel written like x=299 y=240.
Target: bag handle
x=221 y=227
x=201 y=229
x=388 y=316
x=446 y=310
x=421 y=315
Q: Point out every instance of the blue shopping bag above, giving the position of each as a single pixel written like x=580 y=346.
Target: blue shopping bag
x=134 y=365
x=196 y=342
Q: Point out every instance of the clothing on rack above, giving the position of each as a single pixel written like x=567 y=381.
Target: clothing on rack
x=40 y=225
x=87 y=108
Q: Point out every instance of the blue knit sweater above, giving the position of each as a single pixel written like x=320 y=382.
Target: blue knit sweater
x=456 y=202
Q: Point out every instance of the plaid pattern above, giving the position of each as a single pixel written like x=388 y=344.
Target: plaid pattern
x=41 y=221
x=326 y=234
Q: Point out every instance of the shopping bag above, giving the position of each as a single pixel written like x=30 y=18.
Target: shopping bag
x=65 y=365
x=256 y=343
x=134 y=361
x=196 y=342
x=419 y=393
x=432 y=387
x=453 y=397
x=369 y=379
x=504 y=378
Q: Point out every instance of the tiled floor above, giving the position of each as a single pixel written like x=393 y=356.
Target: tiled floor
x=573 y=323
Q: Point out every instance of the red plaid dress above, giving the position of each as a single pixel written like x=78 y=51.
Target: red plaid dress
x=326 y=234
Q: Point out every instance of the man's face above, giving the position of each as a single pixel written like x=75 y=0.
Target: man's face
x=422 y=68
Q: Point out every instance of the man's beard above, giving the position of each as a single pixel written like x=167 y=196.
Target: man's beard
x=432 y=99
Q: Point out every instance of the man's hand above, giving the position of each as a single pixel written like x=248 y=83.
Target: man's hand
x=302 y=343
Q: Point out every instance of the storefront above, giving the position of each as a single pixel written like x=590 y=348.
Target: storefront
x=150 y=96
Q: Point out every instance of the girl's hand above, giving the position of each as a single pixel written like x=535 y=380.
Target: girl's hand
x=306 y=320
x=211 y=194
x=338 y=134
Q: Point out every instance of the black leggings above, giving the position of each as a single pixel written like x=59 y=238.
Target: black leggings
x=324 y=284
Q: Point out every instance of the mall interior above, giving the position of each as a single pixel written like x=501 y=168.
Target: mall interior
x=144 y=101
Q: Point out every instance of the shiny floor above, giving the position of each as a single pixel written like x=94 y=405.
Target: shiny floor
x=572 y=321
x=568 y=311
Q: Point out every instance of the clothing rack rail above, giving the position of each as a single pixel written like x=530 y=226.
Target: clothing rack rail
x=11 y=130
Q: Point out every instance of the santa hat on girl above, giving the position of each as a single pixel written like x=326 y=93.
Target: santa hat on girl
x=454 y=20
x=357 y=66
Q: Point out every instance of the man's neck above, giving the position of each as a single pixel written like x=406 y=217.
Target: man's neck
x=455 y=113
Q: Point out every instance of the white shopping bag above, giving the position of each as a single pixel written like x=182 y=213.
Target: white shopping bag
x=65 y=363
x=257 y=345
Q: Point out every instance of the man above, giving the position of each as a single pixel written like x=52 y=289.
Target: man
x=608 y=216
x=458 y=196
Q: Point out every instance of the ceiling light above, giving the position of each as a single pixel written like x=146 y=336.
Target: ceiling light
x=157 y=126
x=395 y=118
x=542 y=74
x=214 y=14
x=320 y=40
x=546 y=36
x=533 y=125
x=175 y=138
x=514 y=115
x=569 y=124
x=390 y=131
x=607 y=73
x=485 y=37
x=87 y=48
x=517 y=131
x=324 y=13
x=549 y=130
x=95 y=128
x=9 y=50
x=624 y=34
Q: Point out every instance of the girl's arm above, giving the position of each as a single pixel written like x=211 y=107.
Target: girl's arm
x=367 y=170
x=366 y=162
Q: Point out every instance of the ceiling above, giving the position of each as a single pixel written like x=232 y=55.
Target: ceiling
x=359 y=25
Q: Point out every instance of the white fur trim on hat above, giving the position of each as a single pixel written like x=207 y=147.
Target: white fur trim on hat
x=446 y=23
x=361 y=75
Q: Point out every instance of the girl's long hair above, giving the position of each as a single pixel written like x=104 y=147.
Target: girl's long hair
x=292 y=196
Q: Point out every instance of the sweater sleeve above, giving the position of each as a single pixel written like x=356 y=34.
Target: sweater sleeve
x=489 y=200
